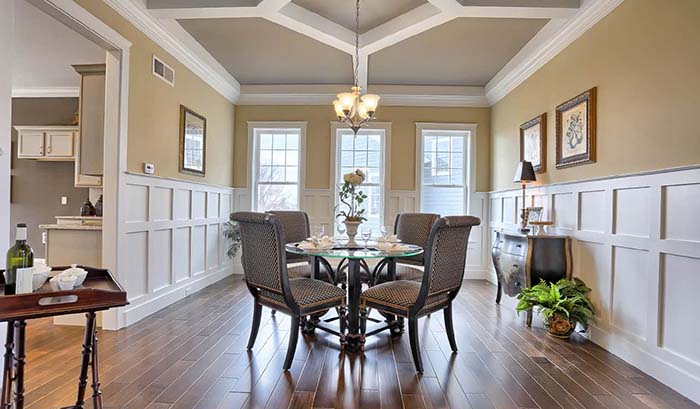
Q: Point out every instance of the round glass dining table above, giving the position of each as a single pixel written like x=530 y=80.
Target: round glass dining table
x=355 y=256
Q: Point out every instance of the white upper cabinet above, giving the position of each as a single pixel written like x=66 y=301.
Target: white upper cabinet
x=60 y=144
x=46 y=142
x=30 y=144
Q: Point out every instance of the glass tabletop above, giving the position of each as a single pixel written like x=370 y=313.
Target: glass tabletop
x=358 y=251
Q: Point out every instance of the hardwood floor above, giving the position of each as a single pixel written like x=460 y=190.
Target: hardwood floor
x=192 y=355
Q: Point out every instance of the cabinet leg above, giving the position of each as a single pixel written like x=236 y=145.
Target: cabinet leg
x=20 y=360
x=87 y=356
x=7 y=367
x=499 y=292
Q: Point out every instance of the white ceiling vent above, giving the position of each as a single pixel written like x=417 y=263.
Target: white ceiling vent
x=163 y=71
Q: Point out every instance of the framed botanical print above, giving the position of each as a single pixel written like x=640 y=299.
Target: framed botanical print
x=193 y=142
x=576 y=130
x=533 y=143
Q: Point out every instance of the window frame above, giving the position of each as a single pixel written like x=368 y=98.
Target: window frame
x=469 y=176
x=254 y=127
x=386 y=168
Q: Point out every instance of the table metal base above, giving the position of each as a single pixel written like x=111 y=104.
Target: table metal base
x=15 y=357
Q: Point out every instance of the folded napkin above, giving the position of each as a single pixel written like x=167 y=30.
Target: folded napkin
x=392 y=238
x=392 y=247
x=313 y=243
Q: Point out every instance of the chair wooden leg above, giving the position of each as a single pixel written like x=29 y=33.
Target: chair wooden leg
x=293 y=338
x=415 y=345
x=342 y=311
x=450 y=329
x=257 y=313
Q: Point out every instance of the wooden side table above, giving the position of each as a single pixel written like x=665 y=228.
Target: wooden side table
x=99 y=292
x=523 y=260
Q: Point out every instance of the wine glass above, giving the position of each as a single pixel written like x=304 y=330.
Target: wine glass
x=318 y=231
x=366 y=234
x=385 y=232
x=341 y=230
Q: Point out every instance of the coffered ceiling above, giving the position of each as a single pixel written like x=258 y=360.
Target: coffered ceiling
x=484 y=47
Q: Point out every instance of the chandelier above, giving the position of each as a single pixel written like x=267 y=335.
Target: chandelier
x=353 y=108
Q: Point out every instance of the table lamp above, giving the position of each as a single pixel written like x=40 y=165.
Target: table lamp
x=523 y=175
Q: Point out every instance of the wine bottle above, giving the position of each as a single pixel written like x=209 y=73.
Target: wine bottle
x=19 y=256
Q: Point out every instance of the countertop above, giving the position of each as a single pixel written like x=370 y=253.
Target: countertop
x=70 y=227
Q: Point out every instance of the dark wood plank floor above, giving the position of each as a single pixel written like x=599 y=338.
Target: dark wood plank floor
x=192 y=355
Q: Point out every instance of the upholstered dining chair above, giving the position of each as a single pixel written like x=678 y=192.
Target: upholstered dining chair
x=445 y=260
x=265 y=269
x=413 y=228
x=297 y=228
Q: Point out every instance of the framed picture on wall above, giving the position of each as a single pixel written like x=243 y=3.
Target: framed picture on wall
x=576 y=130
x=533 y=142
x=193 y=142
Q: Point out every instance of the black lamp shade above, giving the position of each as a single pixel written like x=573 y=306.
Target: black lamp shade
x=525 y=173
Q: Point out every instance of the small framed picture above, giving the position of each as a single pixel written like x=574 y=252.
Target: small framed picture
x=193 y=142
x=576 y=130
x=533 y=142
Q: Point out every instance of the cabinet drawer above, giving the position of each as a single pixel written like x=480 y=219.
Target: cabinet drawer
x=515 y=245
x=512 y=271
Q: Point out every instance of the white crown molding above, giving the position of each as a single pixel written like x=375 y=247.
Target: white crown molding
x=554 y=37
x=180 y=45
x=46 y=92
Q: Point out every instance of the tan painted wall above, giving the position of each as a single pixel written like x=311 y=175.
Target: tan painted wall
x=154 y=108
x=644 y=57
x=403 y=139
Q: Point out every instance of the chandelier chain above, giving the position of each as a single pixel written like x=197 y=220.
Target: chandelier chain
x=357 y=43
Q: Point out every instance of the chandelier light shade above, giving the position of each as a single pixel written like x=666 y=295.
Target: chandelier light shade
x=352 y=108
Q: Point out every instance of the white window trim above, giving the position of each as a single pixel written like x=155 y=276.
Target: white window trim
x=386 y=127
x=470 y=150
x=253 y=157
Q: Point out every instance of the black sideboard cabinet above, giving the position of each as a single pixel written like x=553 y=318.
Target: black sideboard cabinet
x=523 y=260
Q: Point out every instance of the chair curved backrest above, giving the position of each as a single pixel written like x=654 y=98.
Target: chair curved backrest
x=446 y=256
x=263 y=254
x=414 y=228
x=296 y=228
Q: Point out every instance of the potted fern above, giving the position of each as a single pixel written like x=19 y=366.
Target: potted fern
x=562 y=304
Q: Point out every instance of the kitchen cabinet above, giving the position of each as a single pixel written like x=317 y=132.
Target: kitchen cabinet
x=90 y=157
x=56 y=143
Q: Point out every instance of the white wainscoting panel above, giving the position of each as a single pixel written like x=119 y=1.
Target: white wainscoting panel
x=637 y=245
x=174 y=240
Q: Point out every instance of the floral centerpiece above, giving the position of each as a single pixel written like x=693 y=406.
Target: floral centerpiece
x=351 y=200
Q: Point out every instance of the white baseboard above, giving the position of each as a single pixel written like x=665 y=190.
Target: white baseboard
x=175 y=293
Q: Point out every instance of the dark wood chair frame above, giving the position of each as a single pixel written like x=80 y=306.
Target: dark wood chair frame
x=290 y=307
x=419 y=309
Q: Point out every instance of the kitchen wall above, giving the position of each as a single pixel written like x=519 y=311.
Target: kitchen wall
x=644 y=57
x=154 y=108
x=37 y=187
x=403 y=139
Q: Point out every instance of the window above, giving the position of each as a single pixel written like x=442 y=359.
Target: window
x=366 y=152
x=443 y=177
x=277 y=168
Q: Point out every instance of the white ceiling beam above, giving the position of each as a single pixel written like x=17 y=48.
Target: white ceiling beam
x=447 y=6
x=185 y=13
x=273 y=5
x=402 y=32
x=398 y=24
x=303 y=21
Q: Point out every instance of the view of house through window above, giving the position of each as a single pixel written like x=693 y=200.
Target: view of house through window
x=276 y=175
x=444 y=172
x=365 y=152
